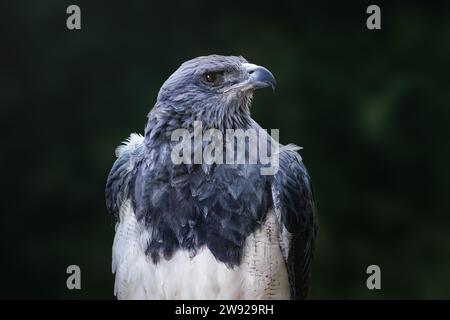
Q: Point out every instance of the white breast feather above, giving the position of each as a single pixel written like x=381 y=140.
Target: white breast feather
x=261 y=275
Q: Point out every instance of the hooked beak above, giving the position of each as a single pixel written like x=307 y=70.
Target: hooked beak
x=259 y=77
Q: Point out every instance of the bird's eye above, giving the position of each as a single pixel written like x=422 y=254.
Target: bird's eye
x=213 y=78
x=210 y=77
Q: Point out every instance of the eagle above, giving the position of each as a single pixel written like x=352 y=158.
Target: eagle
x=196 y=230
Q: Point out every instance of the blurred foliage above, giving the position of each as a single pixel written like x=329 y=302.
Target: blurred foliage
x=370 y=108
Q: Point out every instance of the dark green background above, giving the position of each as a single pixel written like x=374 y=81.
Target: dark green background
x=370 y=108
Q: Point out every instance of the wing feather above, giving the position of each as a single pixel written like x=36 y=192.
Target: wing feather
x=120 y=180
x=294 y=205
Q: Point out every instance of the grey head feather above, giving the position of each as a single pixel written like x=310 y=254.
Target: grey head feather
x=186 y=97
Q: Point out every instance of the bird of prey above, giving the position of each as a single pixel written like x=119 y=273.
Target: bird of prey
x=209 y=231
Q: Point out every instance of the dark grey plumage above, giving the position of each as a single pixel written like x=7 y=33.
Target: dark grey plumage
x=218 y=206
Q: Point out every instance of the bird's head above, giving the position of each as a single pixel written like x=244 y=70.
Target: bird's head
x=216 y=90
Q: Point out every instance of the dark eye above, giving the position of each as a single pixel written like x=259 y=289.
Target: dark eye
x=210 y=77
x=213 y=78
